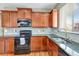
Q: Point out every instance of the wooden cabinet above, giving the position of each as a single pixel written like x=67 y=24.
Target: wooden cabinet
x=40 y=19
x=44 y=19
x=13 y=19
x=36 y=20
x=9 y=45
x=50 y=20
x=44 y=43
x=35 y=43
x=25 y=13
x=1 y=45
x=53 y=20
x=5 y=19
x=52 y=48
x=9 y=19
x=38 y=43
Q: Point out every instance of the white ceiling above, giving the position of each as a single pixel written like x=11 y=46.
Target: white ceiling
x=37 y=7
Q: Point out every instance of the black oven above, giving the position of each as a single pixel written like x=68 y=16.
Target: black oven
x=22 y=43
x=24 y=22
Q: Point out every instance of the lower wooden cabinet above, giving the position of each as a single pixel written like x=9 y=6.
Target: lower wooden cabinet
x=1 y=45
x=44 y=43
x=35 y=43
x=9 y=45
x=52 y=48
x=38 y=43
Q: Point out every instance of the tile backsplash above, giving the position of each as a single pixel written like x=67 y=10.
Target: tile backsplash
x=1 y=31
x=38 y=31
x=35 y=31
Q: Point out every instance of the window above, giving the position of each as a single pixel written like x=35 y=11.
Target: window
x=65 y=17
x=76 y=18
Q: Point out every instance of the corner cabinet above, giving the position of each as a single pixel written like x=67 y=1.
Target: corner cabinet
x=52 y=48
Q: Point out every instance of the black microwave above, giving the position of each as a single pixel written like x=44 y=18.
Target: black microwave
x=24 y=22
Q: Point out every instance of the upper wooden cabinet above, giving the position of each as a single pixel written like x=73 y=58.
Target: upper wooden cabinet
x=9 y=19
x=13 y=19
x=44 y=19
x=53 y=20
x=36 y=20
x=40 y=19
x=25 y=13
x=5 y=19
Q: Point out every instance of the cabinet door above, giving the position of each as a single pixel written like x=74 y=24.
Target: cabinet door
x=13 y=19
x=28 y=13
x=55 y=49
x=24 y=13
x=5 y=19
x=44 y=43
x=21 y=13
x=40 y=19
x=52 y=48
x=36 y=20
x=35 y=43
x=1 y=45
x=9 y=45
x=44 y=20
x=55 y=16
x=50 y=20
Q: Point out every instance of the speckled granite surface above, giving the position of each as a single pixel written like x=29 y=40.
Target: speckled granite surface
x=72 y=48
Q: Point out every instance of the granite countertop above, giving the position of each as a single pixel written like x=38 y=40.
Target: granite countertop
x=69 y=47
